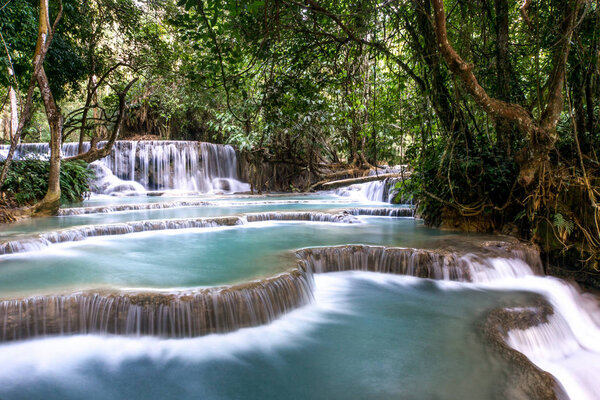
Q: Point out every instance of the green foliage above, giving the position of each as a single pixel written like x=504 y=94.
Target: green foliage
x=27 y=180
x=64 y=65
x=360 y=82
x=563 y=226
x=452 y=173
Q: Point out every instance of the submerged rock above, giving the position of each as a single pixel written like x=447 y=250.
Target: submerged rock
x=527 y=380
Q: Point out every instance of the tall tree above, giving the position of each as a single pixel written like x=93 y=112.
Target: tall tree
x=541 y=135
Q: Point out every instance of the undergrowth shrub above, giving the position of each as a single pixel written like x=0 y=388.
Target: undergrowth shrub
x=27 y=180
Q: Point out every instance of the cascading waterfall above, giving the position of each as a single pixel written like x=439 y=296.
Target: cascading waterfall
x=387 y=211
x=134 y=167
x=566 y=344
x=412 y=262
x=181 y=314
x=382 y=191
x=383 y=211
x=222 y=309
x=219 y=166
x=133 y=207
x=423 y=263
x=302 y=216
x=76 y=234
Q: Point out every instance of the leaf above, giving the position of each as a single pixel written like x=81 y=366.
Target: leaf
x=254 y=6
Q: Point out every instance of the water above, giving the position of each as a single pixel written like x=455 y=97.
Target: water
x=134 y=167
x=145 y=260
x=365 y=336
x=378 y=191
x=105 y=210
x=352 y=335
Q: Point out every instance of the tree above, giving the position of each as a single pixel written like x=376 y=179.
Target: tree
x=541 y=134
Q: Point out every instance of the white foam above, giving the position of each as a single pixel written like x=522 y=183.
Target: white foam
x=61 y=358
x=370 y=192
x=568 y=345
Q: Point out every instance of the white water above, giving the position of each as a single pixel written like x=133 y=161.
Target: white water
x=375 y=191
x=136 y=167
x=568 y=345
x=61 y=359
x=370 y=191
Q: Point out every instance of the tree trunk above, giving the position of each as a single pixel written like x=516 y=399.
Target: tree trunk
x=541 y=135
x=14 y=116
x=450 y=118
x=94 y=153
x=503 y=128
x=44 y=39
x=50 y=203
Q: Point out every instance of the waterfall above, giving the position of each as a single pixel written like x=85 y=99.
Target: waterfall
x=219 y=166
x=564 y=340
x=341 y=217
x=390 y=212
x=80 y=233
x=134 y=167
x=201 y=311
x=180 y=314
x=383 y=211
x=567 y=344
x=412 y=262
x=382 y=191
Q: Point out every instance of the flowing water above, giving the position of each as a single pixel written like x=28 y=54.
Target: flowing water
x=376 y=191
x=328 y=296
x=134 y=167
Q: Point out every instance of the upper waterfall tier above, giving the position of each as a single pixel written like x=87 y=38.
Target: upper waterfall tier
x=138 y=166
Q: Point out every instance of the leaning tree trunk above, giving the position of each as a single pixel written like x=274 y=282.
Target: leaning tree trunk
x=45 y=35
x=541 y=135
x=94 y=153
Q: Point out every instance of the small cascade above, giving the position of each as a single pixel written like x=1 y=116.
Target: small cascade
x=107 y=183
x=564 y=341
x=132 y=207
x=220 y=169
x=76 y=234
x=198 y=312
x=80 y=233
x=386 y=169
x=567 y=345
x=201 y=203
x=382 y=211
x=302 y=216
x=382 y=191
x=423 y=263
x=134 y=167
x=175 y=315
x=420 y=263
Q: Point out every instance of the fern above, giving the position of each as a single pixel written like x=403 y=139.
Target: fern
x=27 y=180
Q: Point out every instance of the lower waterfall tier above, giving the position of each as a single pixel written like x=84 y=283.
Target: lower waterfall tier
x=222 y=309
x=182 y=314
